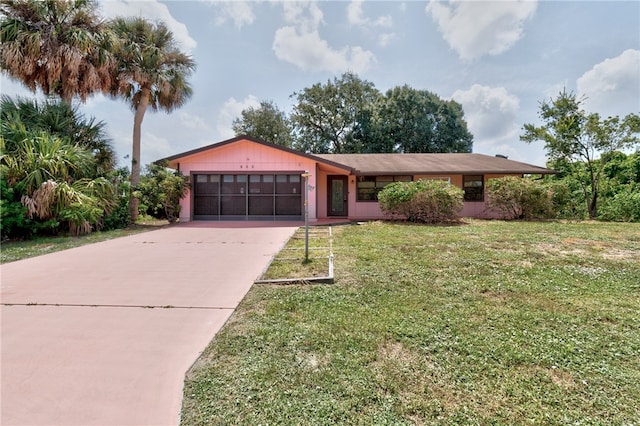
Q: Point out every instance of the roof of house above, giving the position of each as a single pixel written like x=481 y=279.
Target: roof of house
x=396 y=164
x=413 y=164
x=181 y=155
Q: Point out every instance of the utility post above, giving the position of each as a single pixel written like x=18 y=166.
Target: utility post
x=306 y=176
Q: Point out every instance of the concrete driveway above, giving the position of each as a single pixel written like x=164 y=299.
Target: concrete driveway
x=104 y=334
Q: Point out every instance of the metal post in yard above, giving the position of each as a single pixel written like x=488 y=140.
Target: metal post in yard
x=306 y=175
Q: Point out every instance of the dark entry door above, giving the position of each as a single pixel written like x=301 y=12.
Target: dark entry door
x=338 y=196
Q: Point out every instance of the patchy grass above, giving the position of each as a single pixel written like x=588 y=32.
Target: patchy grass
x=17 y=250
x=291 y=262
x=487 y=323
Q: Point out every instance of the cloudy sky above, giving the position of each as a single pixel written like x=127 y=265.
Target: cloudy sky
x=499 y=59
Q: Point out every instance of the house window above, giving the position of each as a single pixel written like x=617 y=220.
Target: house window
x=473 y=188
x=443 y=178
x=368 y=187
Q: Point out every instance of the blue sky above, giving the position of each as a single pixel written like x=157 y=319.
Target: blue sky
x=498 y=59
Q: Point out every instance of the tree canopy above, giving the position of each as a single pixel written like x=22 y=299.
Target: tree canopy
x=410 y=120
x=61 y=47
x=349 y=115
x=266 y=122
x=582 y=141
x=327 y=116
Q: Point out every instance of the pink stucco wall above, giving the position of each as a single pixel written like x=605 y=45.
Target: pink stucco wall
x=245 y=157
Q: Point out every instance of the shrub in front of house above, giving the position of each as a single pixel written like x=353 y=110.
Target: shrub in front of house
x=427 y=201
x=519 y=198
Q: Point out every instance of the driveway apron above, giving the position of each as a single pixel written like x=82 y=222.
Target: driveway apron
x=103 y=334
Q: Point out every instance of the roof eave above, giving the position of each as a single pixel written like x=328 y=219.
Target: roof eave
x=254 y=140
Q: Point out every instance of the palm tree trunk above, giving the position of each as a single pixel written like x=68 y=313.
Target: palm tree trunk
x=135 y=155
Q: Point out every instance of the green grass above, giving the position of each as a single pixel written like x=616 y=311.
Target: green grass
x=17 y=250
x=291 y=262
x=483 y=323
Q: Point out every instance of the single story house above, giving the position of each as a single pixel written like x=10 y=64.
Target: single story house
x=246 y=178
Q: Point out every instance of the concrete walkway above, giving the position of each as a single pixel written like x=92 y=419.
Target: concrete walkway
x=104 y=334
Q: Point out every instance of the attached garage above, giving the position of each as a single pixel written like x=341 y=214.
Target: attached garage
x=249 y=179
x=247 y=196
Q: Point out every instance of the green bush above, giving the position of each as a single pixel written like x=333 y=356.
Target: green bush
x=13 y=215
x=14 y=222
x=428 y=201
x=519 y=198
x=623 y=206
x=568 y=202
x=160 y=191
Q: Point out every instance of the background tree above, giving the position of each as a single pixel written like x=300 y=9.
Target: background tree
x=326 y=117
x=410 y=120
x=267 y=123
x=572 y=135
x=151 y=73
x=61 y=47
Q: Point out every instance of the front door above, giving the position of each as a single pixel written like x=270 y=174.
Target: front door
x=337 y=196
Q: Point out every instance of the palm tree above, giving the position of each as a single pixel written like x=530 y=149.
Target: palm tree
x=63 y=120
x=55 y=179
x=59 y=46
x=151 y=72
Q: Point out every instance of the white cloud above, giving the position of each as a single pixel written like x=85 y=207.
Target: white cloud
x=356 y=16
x=612 y=87
x=490 y=113
x=300 y=43
x=306 y=15
x=154 y=147
x=154 y=11
x=240 y=12
x=192 y=121
x=231 y=110
x=309 y=52
x=477 y=28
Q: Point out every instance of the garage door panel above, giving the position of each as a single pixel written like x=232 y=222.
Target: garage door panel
x=261 y=205
x=233 y=205
x=288 y=205
x=205 y=205
x=217 y=196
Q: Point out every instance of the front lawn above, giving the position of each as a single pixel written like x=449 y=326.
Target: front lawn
x=484 y=323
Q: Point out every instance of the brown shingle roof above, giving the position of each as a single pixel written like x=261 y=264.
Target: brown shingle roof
x=414 y=164
x=396 y=164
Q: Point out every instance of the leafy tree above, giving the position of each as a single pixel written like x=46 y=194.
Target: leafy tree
x=151 y=73
x=326 y=117
x=267 y=123
x=427 y=201
x=519 y=198
x=410 y=120
x=160 y=191
x=572 y=135
x=61 y=119
x=61 y=47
